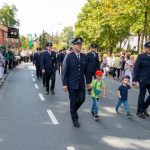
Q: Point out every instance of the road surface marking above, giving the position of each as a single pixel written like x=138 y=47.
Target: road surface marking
x=70 y=148
x=41 y=97
x=32 y=75
x=36 y=86
x=33 y=79
x=52 y=117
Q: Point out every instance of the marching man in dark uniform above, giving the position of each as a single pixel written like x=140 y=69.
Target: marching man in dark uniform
x=93 y=63
x=142 y=75
x=43 y=74
x=60 y=59
x=49 y=65
x=73 y=76
x=37 y=63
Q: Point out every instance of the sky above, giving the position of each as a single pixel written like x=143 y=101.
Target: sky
x=50 y=15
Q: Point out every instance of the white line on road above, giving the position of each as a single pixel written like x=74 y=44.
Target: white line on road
x=36 y=86
x=52 y=117
x=70 y=148
x=41 y=97
x=33 y=79
x=32 y=75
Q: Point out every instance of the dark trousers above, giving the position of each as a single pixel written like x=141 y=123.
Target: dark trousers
x=89 y=78
x=116 y=74
x=50 y=76
x=6 y=67
x=38 y=71
x=77 y=98
x=59 y=68
x=142 y=104
x=44 y=79
x=10 y=64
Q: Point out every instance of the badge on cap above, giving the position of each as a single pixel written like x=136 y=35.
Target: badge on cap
x=49 y=44
x=147 y=45
x=77 y=40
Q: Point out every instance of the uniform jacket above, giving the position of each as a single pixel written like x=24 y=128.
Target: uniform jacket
x=142 y=69
x=37 y=59
x=93 y=62
x=48 y=61
x=74 y=71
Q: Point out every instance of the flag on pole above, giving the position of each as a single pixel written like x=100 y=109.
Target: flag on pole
x=31 y=41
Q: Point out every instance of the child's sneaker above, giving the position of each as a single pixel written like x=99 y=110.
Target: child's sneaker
x=129 y=115
x=92 y=112
x=96 y=118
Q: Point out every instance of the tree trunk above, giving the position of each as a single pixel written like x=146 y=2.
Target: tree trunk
x=120 y=44
x=138 y=44
x=144 y=31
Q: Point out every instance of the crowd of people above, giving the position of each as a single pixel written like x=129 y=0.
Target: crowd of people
x=11 y=57
x=119 y=65
x=75 y=66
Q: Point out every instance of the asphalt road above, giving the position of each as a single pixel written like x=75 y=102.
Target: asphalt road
x=31 y=120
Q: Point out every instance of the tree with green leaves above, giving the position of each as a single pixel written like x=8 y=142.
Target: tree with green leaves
x=66 y=35
x=8 y=15
x=108 y=23
x=43 y=40
x=24 y=42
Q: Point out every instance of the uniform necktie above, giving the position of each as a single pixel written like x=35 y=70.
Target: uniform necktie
x=94 y=55
x=78 y=56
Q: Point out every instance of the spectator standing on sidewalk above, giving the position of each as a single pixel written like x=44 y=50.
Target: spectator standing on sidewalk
x=2 y=63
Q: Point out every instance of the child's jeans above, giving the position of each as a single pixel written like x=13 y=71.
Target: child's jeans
x=95 y=105
x=125 y=103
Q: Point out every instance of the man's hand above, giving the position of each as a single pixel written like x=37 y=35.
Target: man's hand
x=119 y=96
x=65 y=88
x=43 y=71
x=88 y=86
x=134 y=84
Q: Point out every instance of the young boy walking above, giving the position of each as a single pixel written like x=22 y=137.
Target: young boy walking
x=123 y=96
x=97 y=90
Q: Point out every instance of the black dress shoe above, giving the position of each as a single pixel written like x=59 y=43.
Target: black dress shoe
x=141 y=115
x=76 y=124
x=52 y=92
x=47 y=93
x=146 y=113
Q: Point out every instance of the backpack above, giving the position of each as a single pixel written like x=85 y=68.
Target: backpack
x=97 y=92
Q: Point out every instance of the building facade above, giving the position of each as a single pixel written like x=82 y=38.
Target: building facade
x=4 y=41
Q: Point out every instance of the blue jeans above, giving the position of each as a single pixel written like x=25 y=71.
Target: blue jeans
x=125 y=103
x=95 y=105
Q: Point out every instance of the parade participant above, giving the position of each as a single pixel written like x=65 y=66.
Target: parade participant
x=93 y=63
x=98 y=91
x=37 y=62
x=43 y=74
x=141 y=74
x=123 y=95
x=49 y=65
x=73 y=77
x=60 y=59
